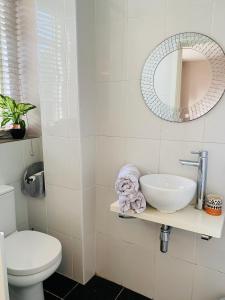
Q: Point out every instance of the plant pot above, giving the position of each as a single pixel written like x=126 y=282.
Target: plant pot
x=18 y=133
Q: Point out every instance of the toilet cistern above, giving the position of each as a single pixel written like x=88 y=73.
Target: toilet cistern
x=202 y=165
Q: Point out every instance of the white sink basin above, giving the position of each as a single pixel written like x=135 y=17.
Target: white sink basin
x=167 y=193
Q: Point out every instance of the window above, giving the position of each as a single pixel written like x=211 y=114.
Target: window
x=9 y=54
x=18 y=56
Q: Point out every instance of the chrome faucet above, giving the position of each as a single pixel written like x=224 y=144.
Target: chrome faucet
x=202 y=165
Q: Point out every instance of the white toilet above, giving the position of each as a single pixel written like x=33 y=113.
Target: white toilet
x=31 y=256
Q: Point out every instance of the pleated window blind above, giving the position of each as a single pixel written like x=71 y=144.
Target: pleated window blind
x=9 y=49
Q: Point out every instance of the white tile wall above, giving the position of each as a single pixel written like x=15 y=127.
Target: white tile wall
x=37 y=214
x=171 y=152
x=108 y=257
x=218 y=21
x=126 y=32
x=88 y=161
x=67 y=96
x=66 y=267
x=145 y=8
x=15 y=157
x=208 y=284
x=190 y=15
x=111 y=105
x=174 y=278
x=78 y=260
x=66 y=172
x=136 y=261
x=183 y=245
x=89 y=241
x=87 y=116
x=86 y=66
x=58 y=89
x=109 y=39
x=214 y=128
x=64 y=210
x=11 y=170
x=138 y=121
x=141 y=38
x=144 y=153
x=109 y=158
x=189 y=131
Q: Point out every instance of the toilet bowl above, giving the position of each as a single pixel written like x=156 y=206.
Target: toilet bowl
x=31 y=257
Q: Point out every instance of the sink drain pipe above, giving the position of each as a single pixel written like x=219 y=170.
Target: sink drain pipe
x=164 y=238
x=164 y=234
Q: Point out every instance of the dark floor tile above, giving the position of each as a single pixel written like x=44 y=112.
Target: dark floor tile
x=81 y=292
x=130 y=295
x=59 y=285
x=104 y=287
x=49 y=296
x=96 y=289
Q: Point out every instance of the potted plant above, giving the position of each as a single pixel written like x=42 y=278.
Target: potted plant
x=13 y=112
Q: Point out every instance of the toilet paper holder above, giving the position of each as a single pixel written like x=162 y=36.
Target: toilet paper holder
x=33 y=183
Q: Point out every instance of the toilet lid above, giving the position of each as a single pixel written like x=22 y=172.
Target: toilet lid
x=30 y=252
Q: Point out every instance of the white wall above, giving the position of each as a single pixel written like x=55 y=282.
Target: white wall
x=128 y=250
x=68 y=135
x=167 y=79
x=87 y=103
x=15 y=157
x=61 y=213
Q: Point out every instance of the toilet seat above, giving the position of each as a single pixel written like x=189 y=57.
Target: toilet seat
x=31 y=252
x=30 y=280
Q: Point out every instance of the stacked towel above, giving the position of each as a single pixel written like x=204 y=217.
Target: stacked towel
x=139 y=203
x=127 y=188
x=127 y=181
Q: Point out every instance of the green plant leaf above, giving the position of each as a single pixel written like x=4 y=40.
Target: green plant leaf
x=23 y=108
x=11 y=103
x=3 y=102
x=5 y=121
x=6 y=114
x=13 y=111
x=22 y=124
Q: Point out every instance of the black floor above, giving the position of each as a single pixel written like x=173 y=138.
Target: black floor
x=60 y=287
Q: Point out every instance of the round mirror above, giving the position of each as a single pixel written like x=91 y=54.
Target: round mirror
x=184 y=77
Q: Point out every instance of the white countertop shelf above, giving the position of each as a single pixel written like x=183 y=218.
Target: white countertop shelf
x=189 y=219
x=11 y=140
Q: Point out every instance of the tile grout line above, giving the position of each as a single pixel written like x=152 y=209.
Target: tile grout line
x=48 y=292
x=64 y=297
x=120 y=292
x=163 y=139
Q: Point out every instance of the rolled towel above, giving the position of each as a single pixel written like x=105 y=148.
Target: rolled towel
x=124 y=203
x=138 y=203
x=127 y=181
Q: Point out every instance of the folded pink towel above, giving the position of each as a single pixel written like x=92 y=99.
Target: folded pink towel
x=127 y=180
x=124 y=203
x=138 y=203
x=127 y=188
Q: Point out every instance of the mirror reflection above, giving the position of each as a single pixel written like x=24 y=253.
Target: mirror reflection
x=182 y=78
